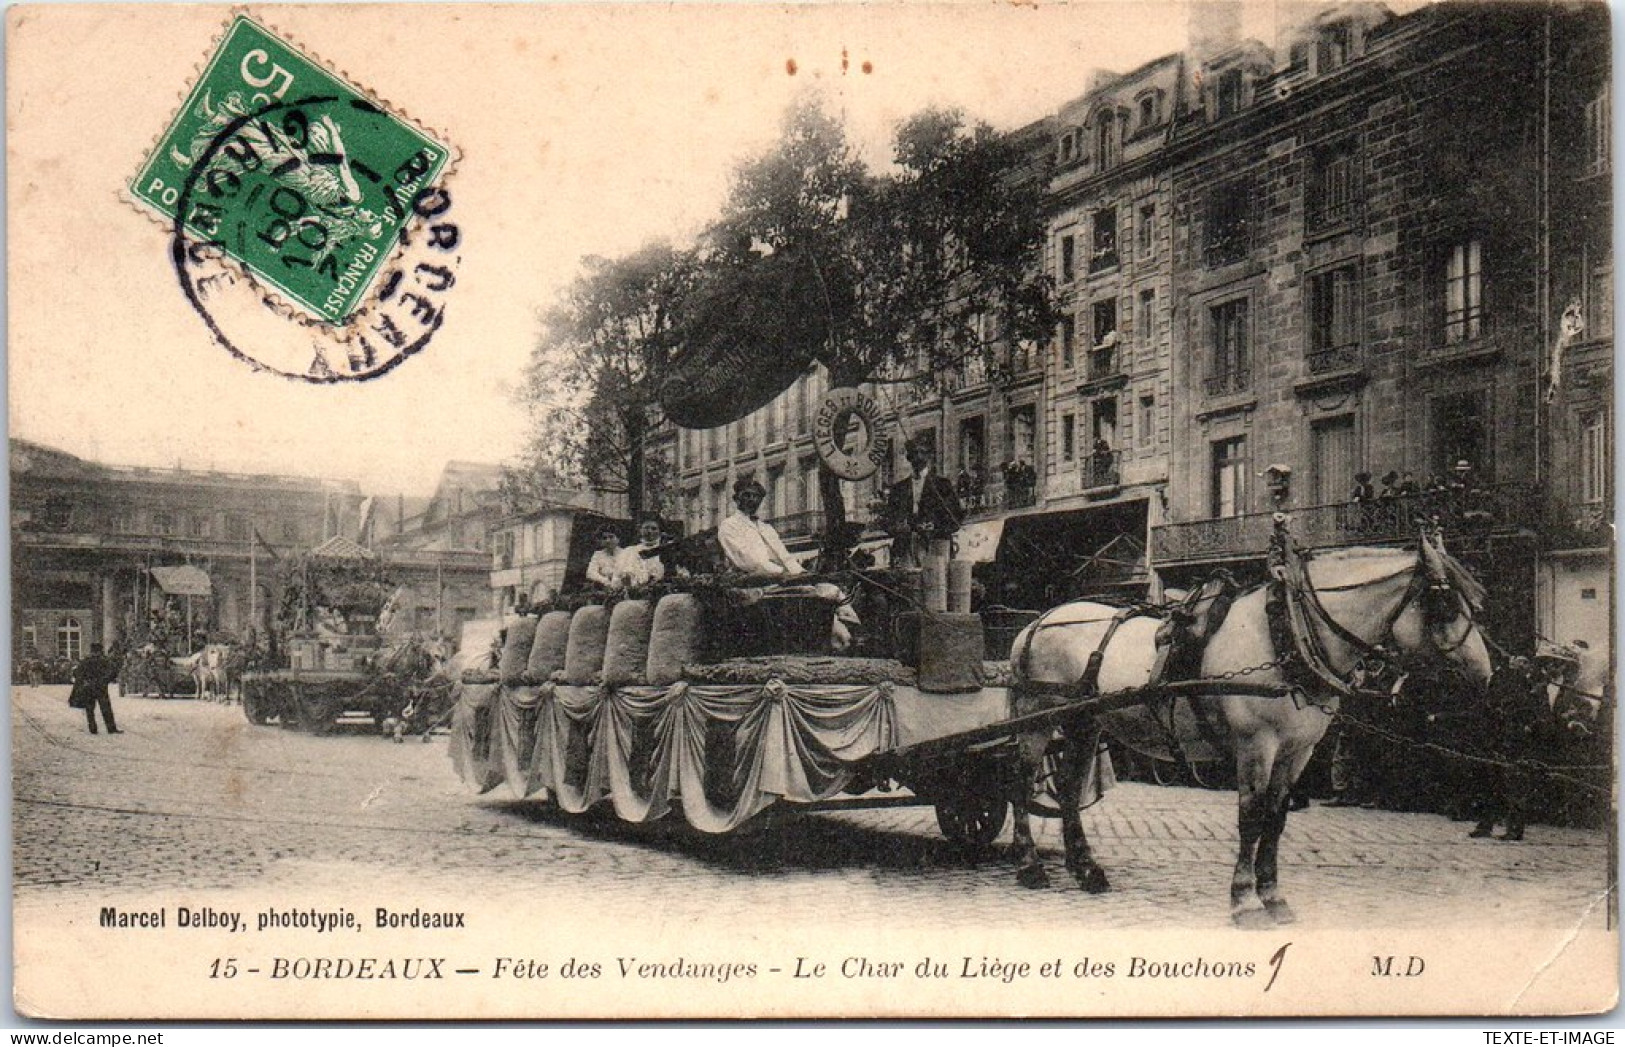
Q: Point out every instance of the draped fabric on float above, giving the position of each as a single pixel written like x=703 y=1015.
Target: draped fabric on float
x=720 y=754
x=471 y=731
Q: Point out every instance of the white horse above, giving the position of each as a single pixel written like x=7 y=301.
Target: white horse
x=1353 y=607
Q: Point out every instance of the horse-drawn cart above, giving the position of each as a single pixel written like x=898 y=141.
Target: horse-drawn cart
x=642 y=705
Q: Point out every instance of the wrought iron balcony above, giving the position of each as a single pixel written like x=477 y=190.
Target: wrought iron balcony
x=1235 y=381
x=1500 y=509
x=1101 y=469
x=799 y=525
x=1337 y=358
x=1105 y=364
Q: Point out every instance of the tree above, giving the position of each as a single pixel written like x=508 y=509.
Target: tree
x=590 y=385
x=895 y=276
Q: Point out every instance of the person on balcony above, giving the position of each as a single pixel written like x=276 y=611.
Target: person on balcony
x=1363 y=491
x=1390 y=486
x=922 y=511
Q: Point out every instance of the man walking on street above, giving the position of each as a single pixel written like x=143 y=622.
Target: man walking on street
x=91 y=678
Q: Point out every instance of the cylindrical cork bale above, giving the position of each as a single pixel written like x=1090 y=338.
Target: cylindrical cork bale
x=959 y=573
x=950 y=653
x=935 y=584
x=676 y=639
x=547 y=651
x=516 y=649
x=628 y=648
x=584 y=654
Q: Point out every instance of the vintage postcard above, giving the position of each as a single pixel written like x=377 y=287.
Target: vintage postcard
x=912 y=510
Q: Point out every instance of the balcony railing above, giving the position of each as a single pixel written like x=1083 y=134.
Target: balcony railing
x=1236 y=381
x=1101 y=469
x=1499 y=509
x=1105 y=364
x=1338 y=358
x=799 y=525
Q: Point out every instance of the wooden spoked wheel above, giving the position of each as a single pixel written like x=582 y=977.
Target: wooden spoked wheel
x=972 y=819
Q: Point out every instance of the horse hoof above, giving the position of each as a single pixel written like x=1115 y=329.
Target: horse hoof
x=1033 y=877
x=1280 y=912
x=1092 y=878
x=1252 y=919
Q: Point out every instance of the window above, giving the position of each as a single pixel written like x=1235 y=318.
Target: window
x=1069 y=437
x=163 y=522
x=1459 y=428
x=123 y=521
x=1147 y=431
x=973 y=448
x=1105 y=319
x=1101 y=470
x=1593 y=457
x=1229 y=477
x=30 y=647
x=1599 y=305
x=236 y=528
x=197 y=525
x=1599 y=137
x=1227 y=362
x=69 y=640
x=1149 y=116
x=1103 y=354
x=742 y=430
x=713 y=442
x=1147 y=227
x=1227 y=93
x=1334 y=47
x=1226 y=231
x=1070 y=147
x=1333 y=334
x=1332 y=445
x=1023 y=429
x=1145 y=317
x=1107 y=137
x=1068 y=335
x=1298 y=60
x=1104 y=254
x=1332 y=188
x=1069 y=259
x=1463 y=292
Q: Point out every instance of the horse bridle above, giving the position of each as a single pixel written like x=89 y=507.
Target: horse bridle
x=1380 y=649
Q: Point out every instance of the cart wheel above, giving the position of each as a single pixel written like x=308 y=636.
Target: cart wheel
x=971 y=819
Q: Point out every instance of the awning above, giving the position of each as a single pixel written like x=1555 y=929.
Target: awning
x=979 y=542
x=182 y=580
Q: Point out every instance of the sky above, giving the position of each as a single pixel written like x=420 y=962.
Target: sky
x=582 y=130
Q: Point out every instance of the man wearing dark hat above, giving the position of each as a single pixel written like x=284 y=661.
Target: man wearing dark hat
x=1363 y=491
x=91 y=678
x=921 y=511
x=1390 y=485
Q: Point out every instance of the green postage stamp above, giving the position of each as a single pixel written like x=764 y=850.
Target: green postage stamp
x=297 y=175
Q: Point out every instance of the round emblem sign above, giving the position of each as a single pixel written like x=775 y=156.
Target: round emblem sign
x=847 y=434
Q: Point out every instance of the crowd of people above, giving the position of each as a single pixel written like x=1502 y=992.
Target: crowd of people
x=1536 y=749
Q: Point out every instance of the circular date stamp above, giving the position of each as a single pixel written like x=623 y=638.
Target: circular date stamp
x=312 y=232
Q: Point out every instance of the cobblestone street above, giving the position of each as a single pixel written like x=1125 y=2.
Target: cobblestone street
x=193 y=797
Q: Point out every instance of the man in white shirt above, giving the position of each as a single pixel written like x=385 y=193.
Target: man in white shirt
x=751 y=545
x=754 y=547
